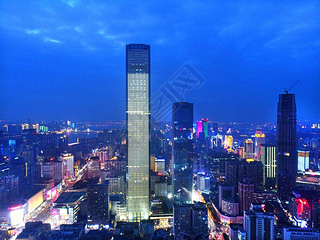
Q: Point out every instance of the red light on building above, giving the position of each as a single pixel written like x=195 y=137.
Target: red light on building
x=15 y=207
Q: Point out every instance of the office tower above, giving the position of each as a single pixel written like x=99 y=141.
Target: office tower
x=316 y=213
x=93 y=168
x=48 y=169
x=182 y=151
x=103 y=156
x=258 y=224
x=190 y=218
x=248 y=149
x=138 y=124
x=268 y=159
x=225 y=192
x=205 y=127
x=287 y=145
x=259 y=139
x=303 y=160
x=199 y=218
x=236 y=171
x=58 y=170
x=228 y=141
x=296 y=233
x=98 y=203
x=160 y=165
x=116 y=166
x=68 y=165
x=245 y=193
x=116 y=185
x=199 y=128
x=182 y=221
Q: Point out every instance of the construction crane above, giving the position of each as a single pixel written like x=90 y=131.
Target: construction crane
x=287 y=91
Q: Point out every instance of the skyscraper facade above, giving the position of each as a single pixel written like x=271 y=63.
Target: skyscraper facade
x=287 y=144
x=138 y=124
x=182 y=151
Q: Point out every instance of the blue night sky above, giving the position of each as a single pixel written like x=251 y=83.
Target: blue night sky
x=66 y=59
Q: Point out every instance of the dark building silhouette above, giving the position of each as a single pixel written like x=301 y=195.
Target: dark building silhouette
x=190 y=218
x=287 y=145
x=98 y=203
x=245 y=193
x=182 y=151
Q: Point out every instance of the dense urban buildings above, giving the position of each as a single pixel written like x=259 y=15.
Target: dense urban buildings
x=138 y=125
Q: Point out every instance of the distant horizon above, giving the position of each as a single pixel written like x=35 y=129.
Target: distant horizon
x=2 y=121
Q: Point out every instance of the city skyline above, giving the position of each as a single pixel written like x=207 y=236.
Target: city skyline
x=159 y=120
x=70 y=62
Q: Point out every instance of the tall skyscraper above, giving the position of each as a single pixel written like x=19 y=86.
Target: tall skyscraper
x=182 y=151
x=287 y=144
x=138 y=124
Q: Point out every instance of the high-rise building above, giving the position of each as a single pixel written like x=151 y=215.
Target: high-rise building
x=68 y=165
x=93 y=168
x=258 y=224
x=228 y=141
x=316 y=213
x=98 y=203
x=303 y=160
x=296 y=233
x=248 y=149
x=182 y=151
x=259 y=139
x=205 y=127
x=245 y=193
x=287 y=145
x=268 y=159
x=190 y=218
x=199 y=128
x=138 y=124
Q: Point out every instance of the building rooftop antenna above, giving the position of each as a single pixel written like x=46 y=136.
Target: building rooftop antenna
x=287 y=91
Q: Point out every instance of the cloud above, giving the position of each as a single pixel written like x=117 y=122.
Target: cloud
x=52 y=40
x=32 y=32
x=78 y=29
x=71 y=3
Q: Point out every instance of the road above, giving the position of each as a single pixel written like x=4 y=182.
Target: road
x=42 y=213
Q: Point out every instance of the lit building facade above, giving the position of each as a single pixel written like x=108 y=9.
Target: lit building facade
x=268 y=159
x=287 y=145
x=259 y=139
x=138 y=124
x=68 y=165
x=248 y=149
x=303 y=160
